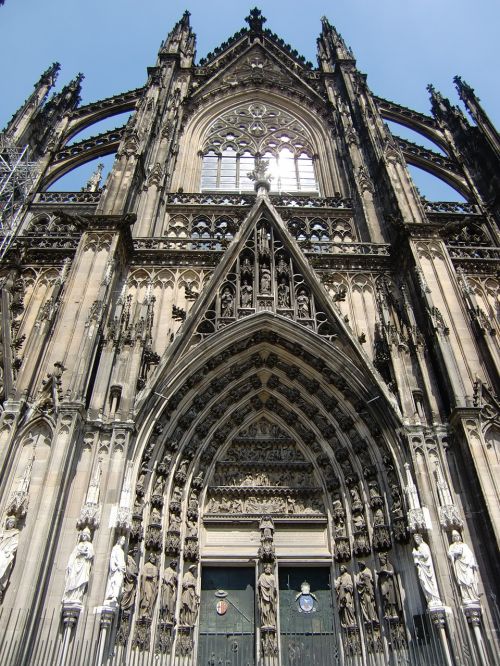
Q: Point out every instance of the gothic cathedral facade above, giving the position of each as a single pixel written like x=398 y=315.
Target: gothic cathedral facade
x=249 y=407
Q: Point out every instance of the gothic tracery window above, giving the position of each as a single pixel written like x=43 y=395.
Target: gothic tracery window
x=256 y=130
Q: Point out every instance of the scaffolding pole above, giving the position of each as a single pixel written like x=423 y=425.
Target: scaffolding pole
x=18 y=176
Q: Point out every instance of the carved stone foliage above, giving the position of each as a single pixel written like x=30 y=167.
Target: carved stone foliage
x=265 y=278
x=265 y=482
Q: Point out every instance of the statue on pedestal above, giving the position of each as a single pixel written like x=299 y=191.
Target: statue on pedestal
x=189 y=598
x=117 y=568
x=364 y=585
x=388 y=588
x=9 y=541
x=267 y=597
x=78 y=570
x=425 y=570
x=149 y=588
x=169 y=592
x=344 y=588
x=465 y=569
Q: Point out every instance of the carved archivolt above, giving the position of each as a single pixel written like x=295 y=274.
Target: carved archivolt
x=252 y=433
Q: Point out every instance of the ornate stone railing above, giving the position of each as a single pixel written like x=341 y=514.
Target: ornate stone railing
x=326 y=247
x=209 y=199
x=459 y=207
x=475 y=252
x=183 y=244
x=68 y=197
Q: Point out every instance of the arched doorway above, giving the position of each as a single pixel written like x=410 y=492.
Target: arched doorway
x=266 y=461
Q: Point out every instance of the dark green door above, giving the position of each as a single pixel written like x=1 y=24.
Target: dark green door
x=308 y=633
x=227 y=617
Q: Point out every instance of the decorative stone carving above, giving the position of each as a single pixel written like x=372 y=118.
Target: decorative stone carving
x=90 y=515
x=189 y=598
x=449 y=515
x=425 y=569
x=465 y=569
x=416 y=515
x=117 y=569
x=268 y=597
x=78 y=570
x=9 y=541
x=129 y=583
x=18 y=500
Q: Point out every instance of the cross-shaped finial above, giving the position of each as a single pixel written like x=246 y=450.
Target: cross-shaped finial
x=255 y=20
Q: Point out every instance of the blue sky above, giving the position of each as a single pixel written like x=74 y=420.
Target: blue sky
x=401 y=44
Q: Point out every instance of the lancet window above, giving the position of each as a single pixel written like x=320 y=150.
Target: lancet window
x=241 y=135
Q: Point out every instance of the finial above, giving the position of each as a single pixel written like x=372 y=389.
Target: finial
x=255 y=20
x=464 y=89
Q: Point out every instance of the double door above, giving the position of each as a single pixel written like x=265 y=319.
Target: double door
x=229 y=616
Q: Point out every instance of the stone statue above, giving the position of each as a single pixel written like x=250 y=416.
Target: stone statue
x=283 y=294
x=345 y=600
x=189 y=598
x=425 y=570
x=117 y=568
x=265 y=280
x=9 y=541
x=78 y=570
x=303 y=309
x=465 y=569
x=246 y=295
x=129 y=583
x=388 y=588
x=267 y=597
x=364 y=586
x=169 y=592
x=149 y=588
x=227 y=303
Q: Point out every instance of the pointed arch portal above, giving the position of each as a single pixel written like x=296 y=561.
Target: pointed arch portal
x=265 y=448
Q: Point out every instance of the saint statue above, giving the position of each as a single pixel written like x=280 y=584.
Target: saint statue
x=465 y=569
x=149 y=588
x=345 y=600
x=267 y=597
x=189 y=598
x=388 y=588
x=117 y=568
x=265 y=280
x=425 y=570
x=227 y=303
x=169 y=592
x=364 y=586
x=246 y=295
x=9 y=541
x=303 y=309
x=283 y=294
x=129 y=583
x=78 y=570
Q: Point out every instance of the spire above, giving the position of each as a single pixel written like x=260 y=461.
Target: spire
x=480 y=117
x=181 y=40
x=445 y=111
x=20 y=121
x=331 y=45
x=256 y=21
x=49 y=77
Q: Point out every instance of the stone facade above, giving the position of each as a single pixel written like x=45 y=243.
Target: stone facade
x=255 y=346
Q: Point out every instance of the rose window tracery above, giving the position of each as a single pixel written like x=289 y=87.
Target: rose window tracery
x=241 y=135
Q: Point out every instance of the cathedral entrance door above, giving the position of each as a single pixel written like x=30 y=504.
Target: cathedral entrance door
x=227 y=617
x=307 y=627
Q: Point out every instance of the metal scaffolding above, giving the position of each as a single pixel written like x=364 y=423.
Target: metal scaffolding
x=17 y=178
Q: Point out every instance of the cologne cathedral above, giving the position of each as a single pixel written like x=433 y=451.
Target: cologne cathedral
x=249 y=384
